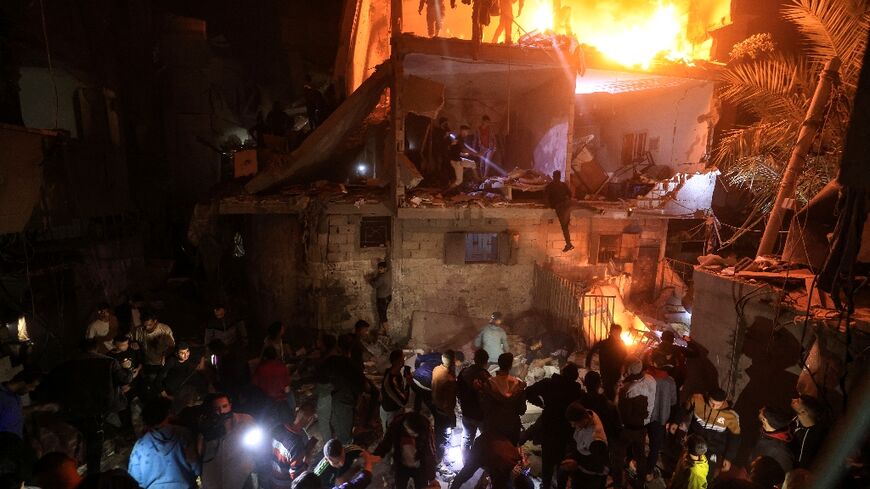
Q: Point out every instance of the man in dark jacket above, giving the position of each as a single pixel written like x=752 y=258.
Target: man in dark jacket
x=808 y=430
x=411 y=439
x=666 y=401
x=471 y=382
x=611 y=356
x=498 y=456
x=554 y=395
x=712 y=418
x=180 y=370
x=594 y=400
x=504 y=400
x=89 y=389
x=774 y=439
x=557 y=196
x=422 y=379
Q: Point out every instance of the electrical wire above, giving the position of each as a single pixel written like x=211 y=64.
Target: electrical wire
x=50 y=67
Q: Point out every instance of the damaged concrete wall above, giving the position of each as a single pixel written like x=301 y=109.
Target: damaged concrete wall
x=369 y=41
x=338 y=267
x=328 y=287
x=753 y=344
x=275 y=272
x=545 y=114
x=423 y=282
x=675 y=121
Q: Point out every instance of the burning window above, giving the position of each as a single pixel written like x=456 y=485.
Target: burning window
x=608 y=247
x=374 y=232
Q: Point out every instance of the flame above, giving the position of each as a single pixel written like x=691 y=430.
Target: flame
x=635 y=35
x=627 y=338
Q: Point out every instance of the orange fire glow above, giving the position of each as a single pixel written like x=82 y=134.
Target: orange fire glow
x=634 y=33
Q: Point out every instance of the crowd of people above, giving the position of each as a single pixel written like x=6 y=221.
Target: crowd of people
x=206 y=415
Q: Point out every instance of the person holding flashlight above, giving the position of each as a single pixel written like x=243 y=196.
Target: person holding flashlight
x=228 y=444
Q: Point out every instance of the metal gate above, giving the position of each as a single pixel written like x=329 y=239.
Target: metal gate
x=566 y=306
x=597 y=312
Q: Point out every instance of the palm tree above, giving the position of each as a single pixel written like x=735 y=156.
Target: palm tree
x=774 y=89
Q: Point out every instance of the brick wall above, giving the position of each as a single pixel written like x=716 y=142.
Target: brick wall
x=333 y=285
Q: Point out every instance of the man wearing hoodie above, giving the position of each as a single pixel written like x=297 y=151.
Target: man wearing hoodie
x=666 y=400
x=504 y=400
x=808 y=430
x=554 y=395
x=165 y=457
x=493 y=338
x=774 y=439
x=636 y=402
x=712 y=418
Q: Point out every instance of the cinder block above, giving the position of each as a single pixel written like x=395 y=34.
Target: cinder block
x=410 y=245
x=336 y=256
x=338 y=238
x=337 y=220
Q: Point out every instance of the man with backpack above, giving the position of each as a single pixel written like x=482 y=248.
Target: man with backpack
x=635 y=402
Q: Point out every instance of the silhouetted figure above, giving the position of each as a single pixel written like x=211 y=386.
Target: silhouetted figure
x=611 y=355
x=315 y=103
x=506 y=20
x=434 y=14
x=278 y=121
x=557 y=196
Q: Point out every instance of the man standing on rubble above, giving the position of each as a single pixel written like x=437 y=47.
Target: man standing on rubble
x=434 y=14
x=460 y=156
x=611 y=355
x=506 y=20
x=557 y=195
x=492 y=338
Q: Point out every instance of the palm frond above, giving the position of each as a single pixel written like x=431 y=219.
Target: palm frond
x=832 y=27
x=772 y=139
x=772 y=87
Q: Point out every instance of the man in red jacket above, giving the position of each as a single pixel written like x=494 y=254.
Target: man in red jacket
x=273 y=378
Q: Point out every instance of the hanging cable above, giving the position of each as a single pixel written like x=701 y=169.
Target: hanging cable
x=50 y=67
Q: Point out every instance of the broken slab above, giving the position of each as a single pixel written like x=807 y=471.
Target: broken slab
x=324 y=141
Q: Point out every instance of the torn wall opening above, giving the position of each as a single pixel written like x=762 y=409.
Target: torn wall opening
x=529 y=107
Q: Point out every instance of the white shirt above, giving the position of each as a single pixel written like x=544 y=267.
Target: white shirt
x=99 y=329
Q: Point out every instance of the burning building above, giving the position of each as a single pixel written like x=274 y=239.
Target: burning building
x=632 y=143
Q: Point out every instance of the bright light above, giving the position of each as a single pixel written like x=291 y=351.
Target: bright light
x=362 y=168
x=454 y=456
x=627 y=338
x=253 y=437
x=22 y=329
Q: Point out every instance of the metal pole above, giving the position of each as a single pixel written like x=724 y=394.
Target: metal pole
x=808 y=131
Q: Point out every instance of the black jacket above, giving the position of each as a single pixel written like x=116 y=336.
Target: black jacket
x=611 y=356
x=557 y=194
x=90 y=385
x=554 y=395
x=471 y=382
x=806 y=443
